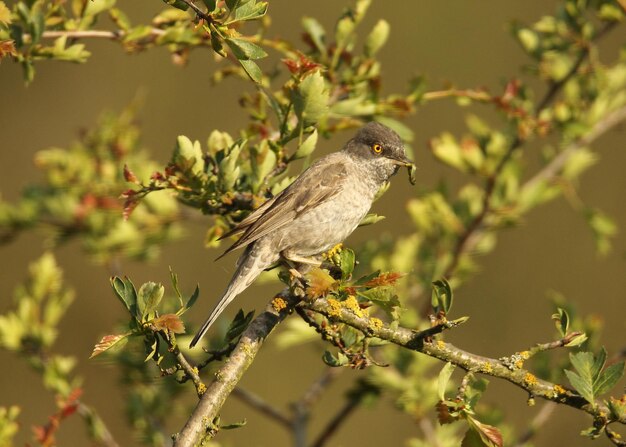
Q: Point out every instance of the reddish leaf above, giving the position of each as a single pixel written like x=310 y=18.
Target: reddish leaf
x=384 y=279
x=490 y=435
x=443 y=413
x=169 y=322
x=130 y=176
x=107 y=342
x=320 y=283
x=7 y=48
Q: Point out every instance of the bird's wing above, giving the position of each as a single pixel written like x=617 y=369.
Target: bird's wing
x=317 y=184
x=251 y=218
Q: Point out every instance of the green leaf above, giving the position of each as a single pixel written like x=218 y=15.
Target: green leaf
x=229 y=170
x=609 y=377
x=249 y=11
x=244 y=49
x=307 y=146
x=192 y=299
x=377 y=38
x=125 y=291
x=234 y=425
x=598 y=364
x=442 y=296
x=317 y=34
x=584 y=388
x=94 y=7
x=371 y=219
x=346 y=263
x=443 y=379
x=617 y=407
x=384 y=297
x=252 y=70
x=238 y=325
x=340 y=360
x=174 y=279
x=577 y=341
x=561 y=321
x=232 y=4
x=211 y=5
x=178 y=4
x=311 y=99
x=149 y=297
x=583 y=362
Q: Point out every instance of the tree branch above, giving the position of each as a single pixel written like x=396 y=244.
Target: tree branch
x=262 y=406
x=447 y=352
x=201 y=422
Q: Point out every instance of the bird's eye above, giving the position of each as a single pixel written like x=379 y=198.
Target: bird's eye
x=377 y=148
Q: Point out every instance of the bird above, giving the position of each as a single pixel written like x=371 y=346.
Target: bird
x=319 y=210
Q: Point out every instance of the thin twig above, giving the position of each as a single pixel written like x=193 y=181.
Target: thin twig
x=313 y=393
x=556 y=164
x=429 y=432
x=102 y=432
x=302 y=407
x=463 y=242
x=557 y=86
x=200 y=13
x=259 y=404
x=87 y=34
x=535 y=425
x=336 y=421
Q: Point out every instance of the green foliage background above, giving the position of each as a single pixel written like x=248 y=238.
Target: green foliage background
x=467 y=44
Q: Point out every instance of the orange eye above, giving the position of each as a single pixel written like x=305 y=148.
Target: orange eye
x=377 y=148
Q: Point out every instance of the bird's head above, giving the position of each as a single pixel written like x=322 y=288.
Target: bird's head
x=380 y=149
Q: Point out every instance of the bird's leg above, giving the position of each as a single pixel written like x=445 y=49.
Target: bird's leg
x=291 y=259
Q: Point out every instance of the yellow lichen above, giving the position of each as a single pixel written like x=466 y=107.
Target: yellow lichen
x=333 y=251
x=525 y=355
x=441 y=344
x=334 y=307
x=245 y=347
x=352 y=304
x=279 y=304
x=486 y=368
x=201 y=389
x=558 y=389
x=519 y=364
x=530 y=379
x=375 y=324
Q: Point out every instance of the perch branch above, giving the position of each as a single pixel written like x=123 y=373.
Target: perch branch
x=200 y=424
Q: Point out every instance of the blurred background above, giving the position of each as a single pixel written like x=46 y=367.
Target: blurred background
x=466 y=43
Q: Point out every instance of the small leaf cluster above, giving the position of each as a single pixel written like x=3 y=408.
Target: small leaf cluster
x=34 y=30
x=145 y=319
x=79 y=196
x=463 y=406
x=30 y=330
x=592 y=378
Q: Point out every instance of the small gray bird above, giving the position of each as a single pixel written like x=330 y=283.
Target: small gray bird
x=316 y=212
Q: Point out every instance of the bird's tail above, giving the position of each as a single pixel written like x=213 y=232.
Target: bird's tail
x=248 y=268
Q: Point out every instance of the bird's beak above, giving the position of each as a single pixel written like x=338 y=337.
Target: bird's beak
x=402 y=160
